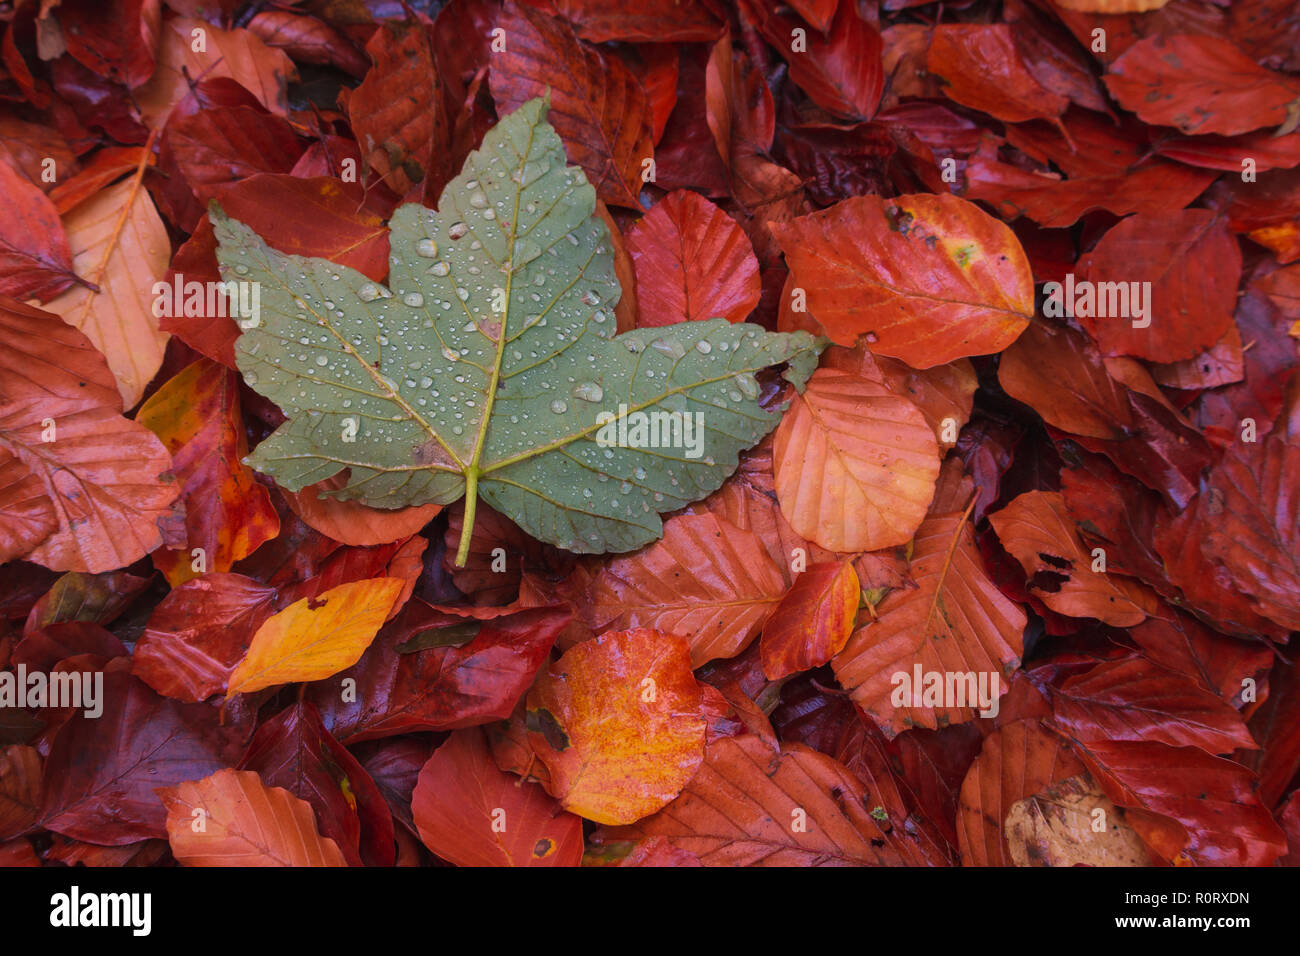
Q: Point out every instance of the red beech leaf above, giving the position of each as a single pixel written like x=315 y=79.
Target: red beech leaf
x=199 y=633
x=1193 y=265
x=115 y=40
x=654 y=21
x=812 y=622
x=1036 y=528
x=218 y=146
x=704 y=580
x=472 y=814
x=981 y=68
x=107 y=479
x=599 y=110
x=1252 y=520
x=35 y=259
x=1131 y=700
x=1016 y=761
x=293 y=750
x=932 y=278
x=228 y=514
x=740 y=110
x=144 y=742
x=1200 y=84
x=954 y=620
x=1059 y=373
x=20 y=789
x=680 y=248
x=398 y=111
x=1181 y=799
x=841 y=71
x=750 y=807
x=439 y=687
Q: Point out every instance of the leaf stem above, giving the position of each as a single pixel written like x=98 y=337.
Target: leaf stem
x=467 y=525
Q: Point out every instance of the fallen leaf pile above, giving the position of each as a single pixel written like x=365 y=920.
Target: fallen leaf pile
x=658 y=433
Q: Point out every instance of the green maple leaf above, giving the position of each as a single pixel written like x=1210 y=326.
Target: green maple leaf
x=482 y=369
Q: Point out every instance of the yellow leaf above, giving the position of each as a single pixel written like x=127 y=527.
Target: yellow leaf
x=317 y=637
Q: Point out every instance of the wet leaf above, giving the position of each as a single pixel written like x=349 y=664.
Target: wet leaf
x=197 y=416
x=1200 y=84
x=795 y=808
x=530 y=446
x=954 y=620
x=120 y=248
x=705 y=580
x=617 y=721
x=812 y=622
x=1036 y=529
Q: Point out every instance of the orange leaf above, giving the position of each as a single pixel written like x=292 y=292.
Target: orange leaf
x=398 y=112
x=855 y=465
x=955 y=620
x=618 y=722
x=228 y=514
x=119 y=245
x=933 y=278
x=705 y=580
x=812 y=622
x=231 y=818
x=1037 y=530
x=945 y=394
x=314 y=638
x=351 y=522
x=748 y=806
x=692 y=262
x=471 y=813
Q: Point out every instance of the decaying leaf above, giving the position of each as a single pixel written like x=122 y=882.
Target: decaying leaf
x=1071 y=823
